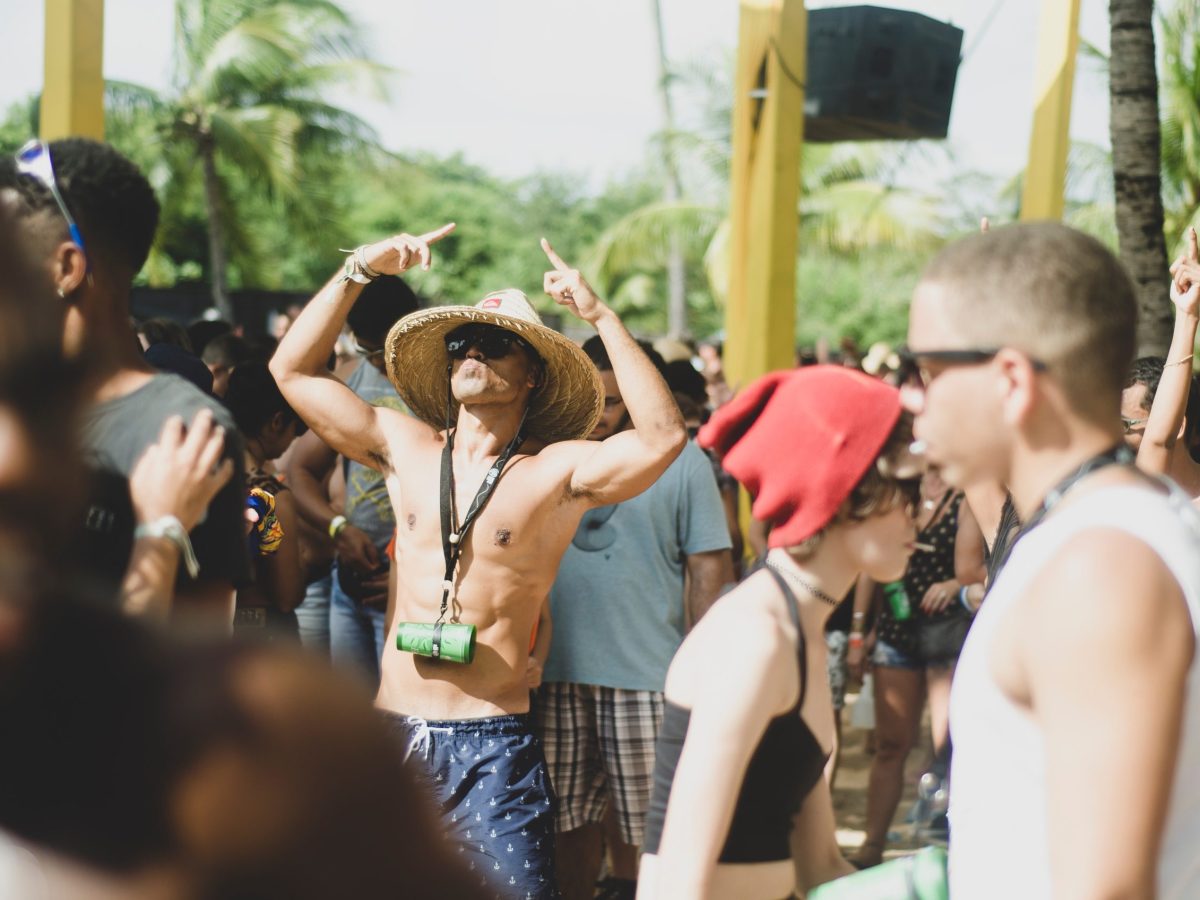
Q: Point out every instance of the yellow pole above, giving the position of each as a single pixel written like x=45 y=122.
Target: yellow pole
x=1046 y=173
x=768 y=126
x=73 y=94
x=768 y=130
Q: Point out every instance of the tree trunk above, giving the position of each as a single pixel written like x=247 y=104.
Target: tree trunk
x=216 y=231
x=1136 y=145
x=677 y=313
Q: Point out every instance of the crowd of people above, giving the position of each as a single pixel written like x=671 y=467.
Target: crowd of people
x=434 y=601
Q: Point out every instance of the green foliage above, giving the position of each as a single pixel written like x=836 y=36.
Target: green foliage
x=862 y=296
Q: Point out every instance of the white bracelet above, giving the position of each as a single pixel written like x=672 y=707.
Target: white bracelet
x=172 y=529
x=336 y=524
x=356 y=269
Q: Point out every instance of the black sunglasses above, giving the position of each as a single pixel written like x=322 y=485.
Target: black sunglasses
x=913 y=372
x=493 y=342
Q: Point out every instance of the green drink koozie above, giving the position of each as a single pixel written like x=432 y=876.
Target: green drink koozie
x=451 y=642
x=921 y=876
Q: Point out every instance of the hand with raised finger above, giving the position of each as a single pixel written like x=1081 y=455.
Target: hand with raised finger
x=397 y=254
x=1185 y=279
x=568 y=288
x=180 y=473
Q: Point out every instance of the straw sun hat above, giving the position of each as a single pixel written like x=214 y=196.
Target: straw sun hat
x=567 y=405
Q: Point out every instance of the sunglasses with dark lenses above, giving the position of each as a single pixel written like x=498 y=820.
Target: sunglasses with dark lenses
x=914 y=371
x=34 y=160
x=493 y=342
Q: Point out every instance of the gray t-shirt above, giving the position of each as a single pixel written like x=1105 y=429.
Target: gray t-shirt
x=115 y=435
x=368 y=505
x=617 y=602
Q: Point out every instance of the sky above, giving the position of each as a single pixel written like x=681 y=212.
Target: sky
x=519 y=86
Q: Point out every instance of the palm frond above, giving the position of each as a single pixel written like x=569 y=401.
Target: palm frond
x=262 y=142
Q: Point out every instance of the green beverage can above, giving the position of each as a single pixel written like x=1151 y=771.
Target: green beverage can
x=453 y=642
x=921 y=876
x=897 y=598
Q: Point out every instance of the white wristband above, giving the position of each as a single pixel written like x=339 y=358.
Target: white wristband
x=172 y=529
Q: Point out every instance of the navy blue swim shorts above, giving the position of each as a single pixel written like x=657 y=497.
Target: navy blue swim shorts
x=488 y=779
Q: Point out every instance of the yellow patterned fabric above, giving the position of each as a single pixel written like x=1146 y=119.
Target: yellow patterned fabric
x=268 y=529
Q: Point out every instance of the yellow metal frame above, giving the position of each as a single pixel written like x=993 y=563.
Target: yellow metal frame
x=73 y=94
x=1042 y=195
x=768 y=130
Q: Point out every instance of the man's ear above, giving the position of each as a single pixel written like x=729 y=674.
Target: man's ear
x=537 y=377
x=70 y=268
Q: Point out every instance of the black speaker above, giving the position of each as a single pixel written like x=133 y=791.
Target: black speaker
x=878 y=74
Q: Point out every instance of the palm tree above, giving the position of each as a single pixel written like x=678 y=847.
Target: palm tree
x=1137 y=157
x=250 y=77
x=677 y=324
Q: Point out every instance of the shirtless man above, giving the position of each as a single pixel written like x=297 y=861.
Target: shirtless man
x=466 y=725
x=1074 y=712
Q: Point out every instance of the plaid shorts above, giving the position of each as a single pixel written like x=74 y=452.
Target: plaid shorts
x=599 y=744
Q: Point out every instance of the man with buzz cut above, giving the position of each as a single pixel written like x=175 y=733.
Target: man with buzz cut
x=1075 y=711
x=488 y=478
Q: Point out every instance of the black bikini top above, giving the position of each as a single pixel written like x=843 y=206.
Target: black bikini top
x=787 y=764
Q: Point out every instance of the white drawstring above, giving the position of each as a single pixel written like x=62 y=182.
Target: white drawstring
x=420 y=738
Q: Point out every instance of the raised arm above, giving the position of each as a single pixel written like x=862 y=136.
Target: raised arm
x=1170 y=401
x=627 y=463
x=343 y=420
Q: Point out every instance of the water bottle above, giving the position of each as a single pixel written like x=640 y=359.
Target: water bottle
x=921 y=876
x=897 y=598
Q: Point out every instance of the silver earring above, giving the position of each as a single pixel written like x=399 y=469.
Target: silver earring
x=62 y=293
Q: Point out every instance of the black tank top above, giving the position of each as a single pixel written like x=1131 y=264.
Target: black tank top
x=786 y=765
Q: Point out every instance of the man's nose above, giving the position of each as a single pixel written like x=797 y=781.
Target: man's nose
x=474 y=351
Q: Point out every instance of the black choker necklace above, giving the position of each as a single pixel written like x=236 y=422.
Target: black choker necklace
x=811 y=588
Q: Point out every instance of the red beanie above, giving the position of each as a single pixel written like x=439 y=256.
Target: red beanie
x=800 y=440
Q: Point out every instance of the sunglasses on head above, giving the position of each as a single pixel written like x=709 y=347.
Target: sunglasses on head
x=493 y=342
x=34 y=160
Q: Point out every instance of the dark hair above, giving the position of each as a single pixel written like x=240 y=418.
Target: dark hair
x=380 y=305
x=226 y=350
x=594 y=348
x=109 y=196
x=1147 y=371
x=87 y=695
x=253 y=398
x=202 y=331
x=164 y=331
x=682 y=378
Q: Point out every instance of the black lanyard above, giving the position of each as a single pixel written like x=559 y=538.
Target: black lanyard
x=1118 y=455
x=454 y=535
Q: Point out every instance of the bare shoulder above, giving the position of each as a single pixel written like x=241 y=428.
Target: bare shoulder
x=1107 y=593
x=741 y=644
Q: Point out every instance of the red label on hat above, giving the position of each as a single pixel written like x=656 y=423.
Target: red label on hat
x=490 y=303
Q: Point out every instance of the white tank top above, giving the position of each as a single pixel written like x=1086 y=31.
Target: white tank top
x=999 y=845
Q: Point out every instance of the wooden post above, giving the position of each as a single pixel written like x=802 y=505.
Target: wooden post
x=768 y=129
x=1054 y=79
x=73 y=93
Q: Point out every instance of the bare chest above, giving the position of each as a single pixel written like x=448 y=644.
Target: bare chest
x=510 y=521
